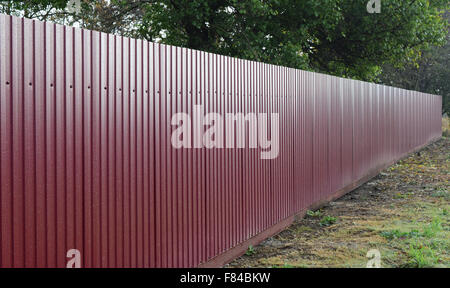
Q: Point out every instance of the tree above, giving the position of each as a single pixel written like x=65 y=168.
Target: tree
x=332 y=36
x=431 y=74
x=39 y=9
x=361 y=43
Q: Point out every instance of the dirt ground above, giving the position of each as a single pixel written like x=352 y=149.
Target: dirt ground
x=403 y=212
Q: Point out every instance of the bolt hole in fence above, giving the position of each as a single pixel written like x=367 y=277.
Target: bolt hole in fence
x=93 y=175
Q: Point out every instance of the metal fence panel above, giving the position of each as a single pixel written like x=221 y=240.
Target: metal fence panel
x=87 y=161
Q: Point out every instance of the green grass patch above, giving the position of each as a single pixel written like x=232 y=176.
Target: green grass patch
x=441 y=193
x=396 y=234
x=428 y=231
x=422 y=256
x=425 y=244
x=327 y=221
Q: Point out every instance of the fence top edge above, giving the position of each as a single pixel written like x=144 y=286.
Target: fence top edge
x=101 y=34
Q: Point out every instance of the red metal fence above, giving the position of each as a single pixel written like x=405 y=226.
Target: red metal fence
x=87 y=162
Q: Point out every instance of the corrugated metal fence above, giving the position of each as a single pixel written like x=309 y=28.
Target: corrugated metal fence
x=87 y=162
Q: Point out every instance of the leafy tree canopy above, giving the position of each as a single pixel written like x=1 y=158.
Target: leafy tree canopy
x=430 y=74
x=41 y=9
x=333 y=36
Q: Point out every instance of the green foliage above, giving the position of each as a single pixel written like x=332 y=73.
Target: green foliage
x=425 y=246
x=428 y=74
x=396 y=234
x=332 y=36
x=429 y=231
x=316 y=213
x=402 y=195
x=441 y=193
x=421 y=256
x=327 y=221
x=41 y=9
x=250 y=251
x=433 y=228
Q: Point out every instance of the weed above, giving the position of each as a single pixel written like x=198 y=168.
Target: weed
x=399 y=196
x=403 y=195
x=396 y=234
x=428 y=232
x=434 y=227
x=328 y=220
x=250 y=251
x=421 y=256
x=317 y=213
x=441 y=193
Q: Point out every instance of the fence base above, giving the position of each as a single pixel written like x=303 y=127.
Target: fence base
x=240 y=249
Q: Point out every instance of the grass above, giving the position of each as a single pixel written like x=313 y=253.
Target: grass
x=426 y=244
x=413 y=231
x=302 y=229
x=429 y=231
x=417 y=236
x=396 y=234
x=402 y=195
x=441 y=193
x=433 y=228
x=421 y=256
